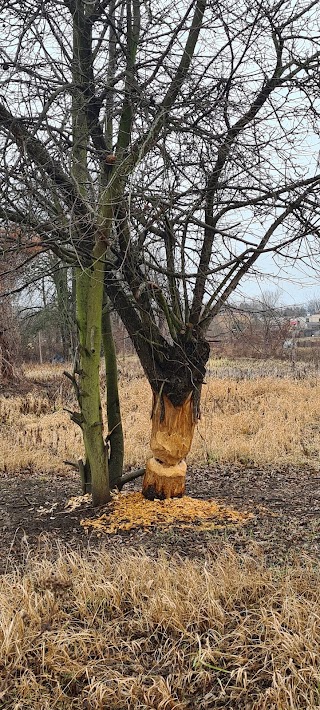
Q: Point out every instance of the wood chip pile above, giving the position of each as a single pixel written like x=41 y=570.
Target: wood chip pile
x=132 y=510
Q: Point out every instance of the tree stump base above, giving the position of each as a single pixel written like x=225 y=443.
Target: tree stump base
x=162 y=481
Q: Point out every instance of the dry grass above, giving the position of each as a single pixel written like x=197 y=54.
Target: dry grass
x=249 y=369
x=262 y=421
x=36 y=434
x=128 y=632
x=135 y=633
x=259 y=420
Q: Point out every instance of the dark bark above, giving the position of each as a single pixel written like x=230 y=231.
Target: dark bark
x=115 y=432
x=85 y=475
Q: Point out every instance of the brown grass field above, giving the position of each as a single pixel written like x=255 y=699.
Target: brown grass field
x=122 y=629
x=250 y=413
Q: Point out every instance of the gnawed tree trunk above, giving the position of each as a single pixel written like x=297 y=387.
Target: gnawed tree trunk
x=171 y=438
x=176 y=373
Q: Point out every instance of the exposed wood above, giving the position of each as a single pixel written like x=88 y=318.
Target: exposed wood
x=171 y=438
x=161 y=481
x=172 y=429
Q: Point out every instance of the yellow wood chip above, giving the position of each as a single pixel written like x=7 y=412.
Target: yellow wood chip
x=132 y=510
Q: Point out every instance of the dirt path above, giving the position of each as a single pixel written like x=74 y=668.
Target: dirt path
x=285 y=503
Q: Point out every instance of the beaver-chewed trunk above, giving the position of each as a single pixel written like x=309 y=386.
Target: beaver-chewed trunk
x=171 y=438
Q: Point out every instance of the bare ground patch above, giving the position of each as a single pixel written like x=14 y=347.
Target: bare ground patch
x=285 y=503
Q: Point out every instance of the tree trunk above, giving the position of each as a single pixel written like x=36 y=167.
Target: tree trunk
x=60 y=278
x=171 y=438
x=115 y=435
x=89 y=315
x=6 y=367
x=176 y=373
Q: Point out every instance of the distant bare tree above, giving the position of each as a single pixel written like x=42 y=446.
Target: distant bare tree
x=9 y=331
x=256 y=327
x=7 y=342
x=314 y=305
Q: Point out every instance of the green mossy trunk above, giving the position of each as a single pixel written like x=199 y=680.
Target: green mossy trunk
x=115 y=435
x=89 y=314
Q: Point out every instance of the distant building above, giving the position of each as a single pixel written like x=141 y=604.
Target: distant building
x=314 y=319
x=305 y=326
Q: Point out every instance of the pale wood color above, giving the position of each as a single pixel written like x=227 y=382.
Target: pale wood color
x=161 y=481
x=171 y=438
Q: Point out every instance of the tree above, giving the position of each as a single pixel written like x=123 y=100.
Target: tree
x=63 y=278
x=8 y=333
x=159 y=150
x=47 y=306
x=314 y=305
x=257 y=327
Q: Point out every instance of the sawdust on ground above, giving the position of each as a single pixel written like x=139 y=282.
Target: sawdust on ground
x=132 y=510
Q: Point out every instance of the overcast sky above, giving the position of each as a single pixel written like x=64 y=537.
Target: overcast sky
x=295 y=284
